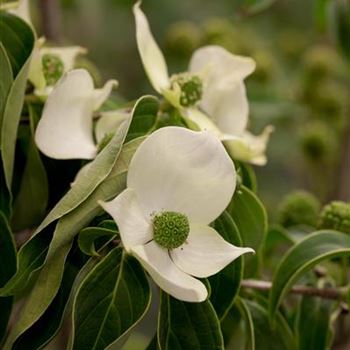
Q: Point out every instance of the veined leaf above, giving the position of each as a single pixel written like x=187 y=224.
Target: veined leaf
x=7 y=269
x=248 y=176
x=19 y=48
x=49 y=276
x=184 y=325
x=47 y=326
x=88 y=236
x=113 y=298
x=250 y=217
x=225 y=284
x=267 y=338
x=31 y=201
x=304 y=255
x=313 y=323
x=247 y=316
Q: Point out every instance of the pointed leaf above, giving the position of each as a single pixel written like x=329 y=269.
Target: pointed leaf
x=113 y=298
x=88 y=236
x=184 y=325
x=250 y=217
x=18 y=40
x=303 y=256
x=7 y=269
x=31 y=201
x=225 y=284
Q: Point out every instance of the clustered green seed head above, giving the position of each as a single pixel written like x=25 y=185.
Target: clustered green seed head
x=170 y=229
x=299 y=208
x=336 y=216
x=191 y=88
x=53 y=68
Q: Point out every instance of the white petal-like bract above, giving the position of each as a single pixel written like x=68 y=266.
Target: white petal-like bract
x=134 y=227
x=151 y=56
x=167 y=275
x=205 y=252
x=180 y=170
x=65 y=128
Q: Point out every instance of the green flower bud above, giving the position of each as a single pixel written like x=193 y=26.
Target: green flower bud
x=191 y=87
x=317 y=141
x=335 y=216
x=299 y=208
x=182 y=38
x=170 y=229
x=53 y=68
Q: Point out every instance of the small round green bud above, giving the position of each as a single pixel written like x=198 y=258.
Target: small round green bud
x=335 y=216
x=317 y=141
x=292 y=42
x=53 y=68
x=105 y=141
x=299 y=208
x=191 y=87
x=170 y=229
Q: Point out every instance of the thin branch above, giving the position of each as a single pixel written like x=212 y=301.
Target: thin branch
x=51 y=19
x=325 y=293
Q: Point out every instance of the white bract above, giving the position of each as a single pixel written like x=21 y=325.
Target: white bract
x=65 y=130
x=178 y=182
x=211 y=94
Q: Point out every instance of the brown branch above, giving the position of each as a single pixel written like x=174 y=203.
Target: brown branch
x=51 y=19
x=325 y=293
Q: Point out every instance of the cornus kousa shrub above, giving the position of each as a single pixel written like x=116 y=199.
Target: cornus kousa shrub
x=117 y=214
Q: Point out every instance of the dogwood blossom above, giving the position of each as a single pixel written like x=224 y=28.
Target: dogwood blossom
x=178 y=182
x=211 y=95
x=65 y=130
x=48 y=65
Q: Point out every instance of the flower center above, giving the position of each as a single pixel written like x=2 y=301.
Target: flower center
x=53 y=68
x=191 y=88
x=170 y=229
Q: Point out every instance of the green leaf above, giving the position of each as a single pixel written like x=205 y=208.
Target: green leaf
x=225 y=284
x=250 y=217
x=248 y=176
x=184 y=325
x=49 y=277
x=143 y=123
x=7 y=269
x=113 y=298
x=313 y=323
x=247 y=316
x=31 y=201
x=303 y=256
x=17 y=38
x=339 y=24
x=47 y=326
x=19 y=48
x=6 y=79
x=267 y=338
x=88 y=236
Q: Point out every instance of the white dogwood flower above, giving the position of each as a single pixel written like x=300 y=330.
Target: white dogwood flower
x=65 y=130
x=211 y=94
x=178 y=182
x=49 y=64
